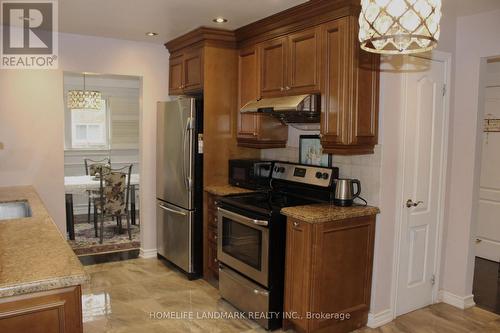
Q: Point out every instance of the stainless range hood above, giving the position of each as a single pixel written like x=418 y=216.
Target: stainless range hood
x=289 y=109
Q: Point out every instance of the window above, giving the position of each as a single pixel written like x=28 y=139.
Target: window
x=89 y=128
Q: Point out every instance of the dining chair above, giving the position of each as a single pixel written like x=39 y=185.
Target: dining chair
x=113 y=199
x=91 y=168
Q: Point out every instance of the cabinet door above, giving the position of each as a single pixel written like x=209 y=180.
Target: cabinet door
x=175 y=74
x=298 y=270
x=343 y=259
x=57 y=311
x=193 y=71
x=273 y=67
x=248 y=74
x=303 y=68
x=364 y=121
x=334 y=113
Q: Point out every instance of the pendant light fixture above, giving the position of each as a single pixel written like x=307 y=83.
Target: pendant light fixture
x=84 y=99
x=399 y=26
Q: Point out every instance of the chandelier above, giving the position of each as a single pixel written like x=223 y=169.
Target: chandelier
x=84 y=99
x=399 y=26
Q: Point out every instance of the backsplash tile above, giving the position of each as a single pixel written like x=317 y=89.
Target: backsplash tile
x=366 y=168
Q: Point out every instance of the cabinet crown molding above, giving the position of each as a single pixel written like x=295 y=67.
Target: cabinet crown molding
x=203 y=36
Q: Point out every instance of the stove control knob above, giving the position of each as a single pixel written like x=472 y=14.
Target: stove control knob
x=319 y=175
x=281 y=169
x=276 y=169
x=325 y=175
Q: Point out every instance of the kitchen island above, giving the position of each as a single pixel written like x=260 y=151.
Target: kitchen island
x=40 y=276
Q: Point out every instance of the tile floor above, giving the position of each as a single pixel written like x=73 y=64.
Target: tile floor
x=122 y=296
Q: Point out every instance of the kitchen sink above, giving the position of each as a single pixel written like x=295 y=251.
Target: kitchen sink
x=14 y=210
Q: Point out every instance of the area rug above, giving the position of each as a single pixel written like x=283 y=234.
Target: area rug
x=86 y=243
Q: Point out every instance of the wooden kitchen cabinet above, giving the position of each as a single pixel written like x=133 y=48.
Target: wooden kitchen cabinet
x=175 y=74
x=328 y=269
x=349 y=115
x=303 y=62
x=255 y=131
x=186 y=72
x=290 y=65
x=58 y=310
x=273 y=67
x=211 y=265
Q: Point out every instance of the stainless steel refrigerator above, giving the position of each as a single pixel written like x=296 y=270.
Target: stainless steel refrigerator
x=179 y=183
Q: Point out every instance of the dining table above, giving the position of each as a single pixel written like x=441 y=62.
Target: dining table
x=80 y=185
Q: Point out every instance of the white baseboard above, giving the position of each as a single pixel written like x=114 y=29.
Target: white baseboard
x=455 y=300
x=379 y=319
x=147 y=254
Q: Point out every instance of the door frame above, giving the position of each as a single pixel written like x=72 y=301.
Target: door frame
x=446 y=58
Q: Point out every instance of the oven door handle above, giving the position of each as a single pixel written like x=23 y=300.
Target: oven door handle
x=239 y=217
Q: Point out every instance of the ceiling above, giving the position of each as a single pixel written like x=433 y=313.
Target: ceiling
x=131 y=19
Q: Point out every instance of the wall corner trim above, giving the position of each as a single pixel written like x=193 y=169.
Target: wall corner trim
x=147 y=253
x=455 y=300
x=379 y=319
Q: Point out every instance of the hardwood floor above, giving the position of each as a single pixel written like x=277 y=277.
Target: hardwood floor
x=486 y=287
x=123 y=297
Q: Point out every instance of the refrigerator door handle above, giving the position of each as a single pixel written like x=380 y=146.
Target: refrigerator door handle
x=172 y=210
x=186 y=136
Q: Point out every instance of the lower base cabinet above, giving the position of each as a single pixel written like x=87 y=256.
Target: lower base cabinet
x=53 y=311
x=211 y=265
x=328 y=274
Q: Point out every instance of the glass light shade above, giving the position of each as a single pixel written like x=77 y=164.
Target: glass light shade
x=84 y=99
x=399 y=26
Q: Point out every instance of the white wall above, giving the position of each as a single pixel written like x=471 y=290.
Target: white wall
x=477 y=36
x=32 y=130
x=32 y=118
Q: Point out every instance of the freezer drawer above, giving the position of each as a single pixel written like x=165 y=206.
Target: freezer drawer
x=174 y=235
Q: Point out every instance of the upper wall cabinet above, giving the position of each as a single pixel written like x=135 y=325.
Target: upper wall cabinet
x=186 y=72
x=303 y=62
x=290 y=65
x=349 y=115
x=255 y=131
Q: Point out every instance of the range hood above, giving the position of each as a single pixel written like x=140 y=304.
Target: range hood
x=289 y=109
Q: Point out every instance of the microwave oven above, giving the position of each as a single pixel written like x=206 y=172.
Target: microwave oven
x=250 y=173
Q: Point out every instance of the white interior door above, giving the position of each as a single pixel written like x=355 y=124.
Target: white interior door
x=488 y=226
x=423 y=143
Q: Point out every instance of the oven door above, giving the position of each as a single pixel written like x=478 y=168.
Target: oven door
x=243 y=245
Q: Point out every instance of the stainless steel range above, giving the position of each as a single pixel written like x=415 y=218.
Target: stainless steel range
x=252 y=232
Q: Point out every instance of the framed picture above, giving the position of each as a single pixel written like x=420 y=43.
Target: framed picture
x=311 y=151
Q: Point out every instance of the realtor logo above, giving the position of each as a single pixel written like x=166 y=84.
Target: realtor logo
x=29 y=37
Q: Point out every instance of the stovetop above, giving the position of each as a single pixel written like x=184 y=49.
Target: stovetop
x=290 y=185
x=267 y=203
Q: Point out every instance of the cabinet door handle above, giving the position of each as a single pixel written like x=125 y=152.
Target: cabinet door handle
x=287 y=88
x=296 y=224
x=281 y=88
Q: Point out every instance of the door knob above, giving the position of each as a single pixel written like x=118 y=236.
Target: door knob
x=410 y=203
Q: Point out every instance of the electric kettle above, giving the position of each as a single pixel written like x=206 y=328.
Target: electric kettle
x=344 y=191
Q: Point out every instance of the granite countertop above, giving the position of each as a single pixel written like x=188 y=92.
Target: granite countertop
x=34 y=255
x=319 y=213
x=225 y=190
